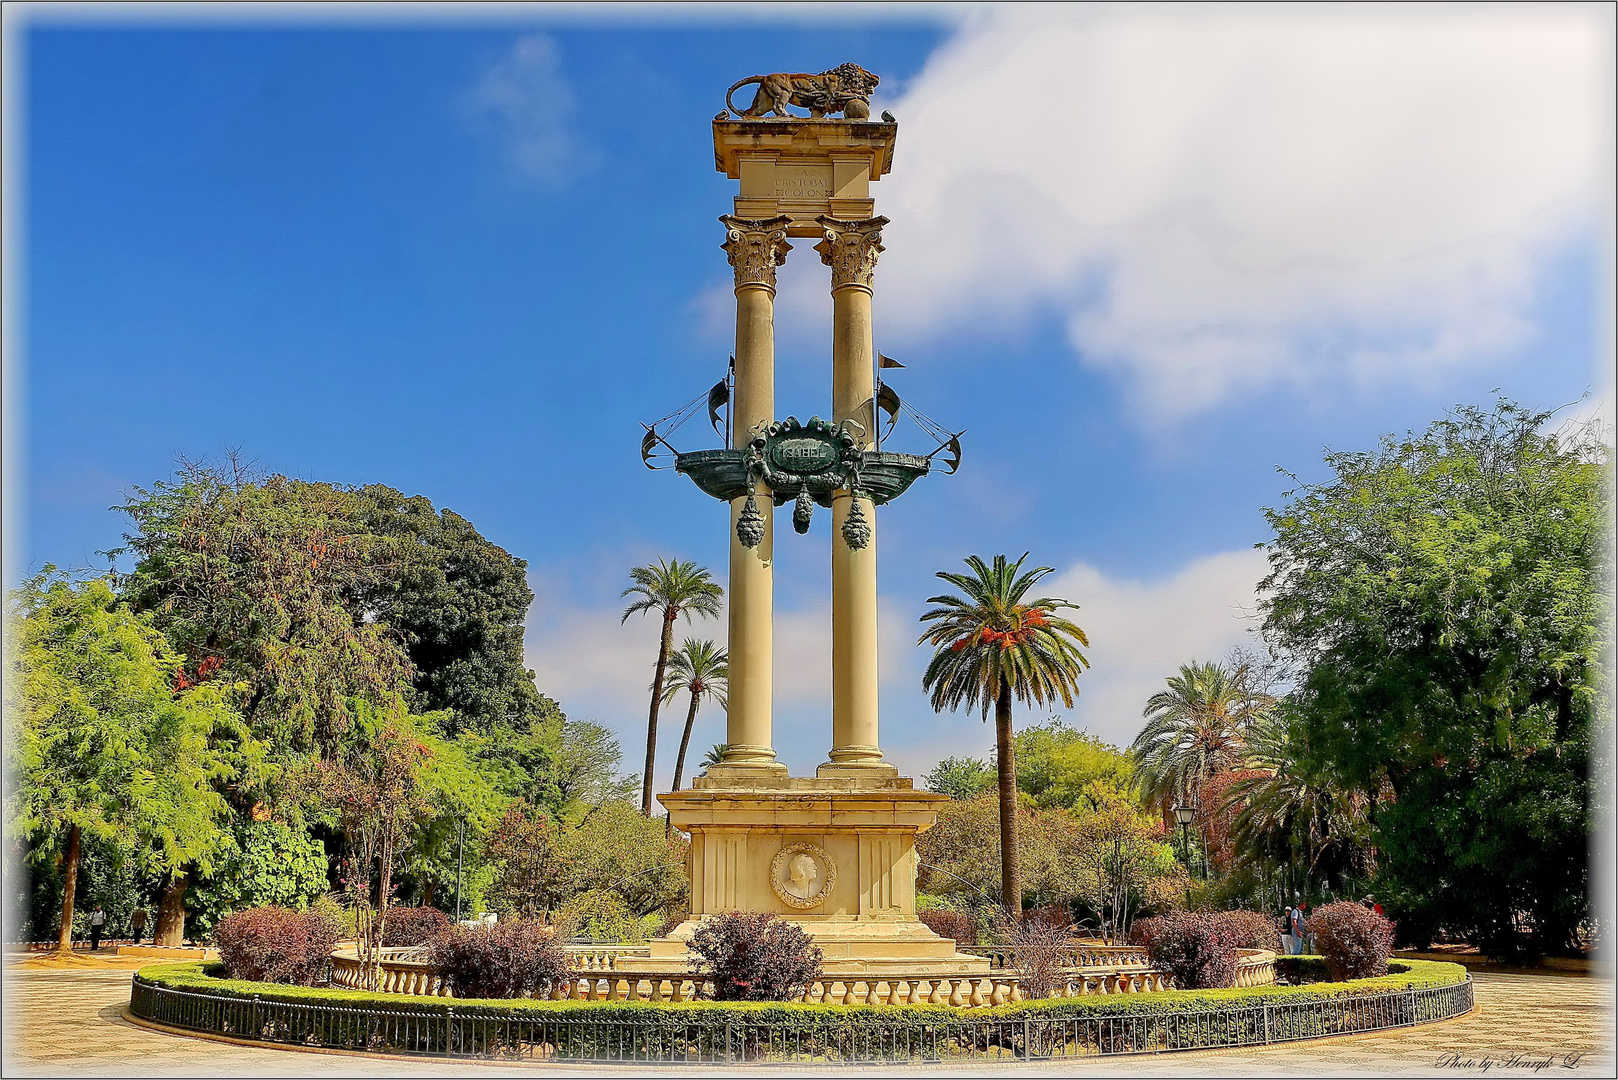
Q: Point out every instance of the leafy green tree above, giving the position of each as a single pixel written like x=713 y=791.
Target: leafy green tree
x=106 y=745
x=992 y=644
x=963 y=778
x=532 y=874
x=1446 y=598
x=587 y=762
x=701 y=669
x=671 y=589
x=1118 y=856
x=463 y=802
x=263 y=863
x=1061 y=766
x=617 y=849
x=254 y=579
x=458 y=602
x=1106 y=862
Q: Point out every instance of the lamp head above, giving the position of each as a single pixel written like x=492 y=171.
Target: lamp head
x=1184 y=814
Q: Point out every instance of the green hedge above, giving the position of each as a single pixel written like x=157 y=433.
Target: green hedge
x=1312 y=969
x=1403 y=974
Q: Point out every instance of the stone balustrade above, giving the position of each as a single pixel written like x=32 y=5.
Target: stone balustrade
x=602 y=957
x=1079 y=956
x=401 y=973
x=1120 y=970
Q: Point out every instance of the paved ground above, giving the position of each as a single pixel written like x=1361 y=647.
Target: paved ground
x=71 y=1024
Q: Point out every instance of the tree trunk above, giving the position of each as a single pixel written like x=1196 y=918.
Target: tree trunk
x=685 y=740
x=170 y=928
x=70 y=886
x=1010 y=875
x=384 y=888
x=669 y=615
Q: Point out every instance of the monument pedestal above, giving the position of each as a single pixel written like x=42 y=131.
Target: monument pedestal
x=836 y=856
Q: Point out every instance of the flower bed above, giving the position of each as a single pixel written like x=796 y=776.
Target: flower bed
x=187 y=996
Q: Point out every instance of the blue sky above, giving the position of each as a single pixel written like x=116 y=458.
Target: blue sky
x=1143 y=258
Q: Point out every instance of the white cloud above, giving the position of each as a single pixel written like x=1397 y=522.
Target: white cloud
x=1222 y=199
x=527 y=103
x=1141 y=632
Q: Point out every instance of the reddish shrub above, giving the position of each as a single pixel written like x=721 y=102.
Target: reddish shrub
x=1354 y=940
x=511 y=959
x=1252 y=930
x=754 y=956
x=273 y=944
x=413 y=926
x=1199 y=949
x=952 y=924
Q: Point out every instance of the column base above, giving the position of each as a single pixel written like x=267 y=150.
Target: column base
x=857 y=761
x=743 y=763
x=740 y=774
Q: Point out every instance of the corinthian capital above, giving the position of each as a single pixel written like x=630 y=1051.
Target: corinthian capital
x=756 y=246
x=850 y=249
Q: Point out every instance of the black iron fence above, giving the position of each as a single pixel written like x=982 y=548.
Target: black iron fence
x=679 y=1037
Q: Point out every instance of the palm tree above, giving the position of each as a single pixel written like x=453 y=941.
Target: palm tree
x=1295 y=813
x=701 y=668
x=991 y=644
x=673 y=589
x=1195 y=730
x=715 y=754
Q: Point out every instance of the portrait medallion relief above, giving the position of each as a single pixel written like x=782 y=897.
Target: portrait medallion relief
x=802 y=875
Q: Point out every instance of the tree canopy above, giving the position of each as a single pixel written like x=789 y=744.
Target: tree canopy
x=107 y=746
x=1443 y=597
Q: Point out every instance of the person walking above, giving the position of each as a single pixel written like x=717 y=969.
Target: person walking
x=98 y=923
x=137 y=923
x=1299 y=926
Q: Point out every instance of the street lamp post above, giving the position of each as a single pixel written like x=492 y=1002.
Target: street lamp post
x=1183 y=815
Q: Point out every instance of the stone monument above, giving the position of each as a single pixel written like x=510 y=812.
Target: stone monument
x=834 y=853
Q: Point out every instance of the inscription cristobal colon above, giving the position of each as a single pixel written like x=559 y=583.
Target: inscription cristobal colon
x=801 y=183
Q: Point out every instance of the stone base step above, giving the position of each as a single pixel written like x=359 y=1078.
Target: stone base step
x=168 y=952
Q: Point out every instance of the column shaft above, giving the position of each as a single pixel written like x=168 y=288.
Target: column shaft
x=851 y=249
x=755 y=249
x=748 y=725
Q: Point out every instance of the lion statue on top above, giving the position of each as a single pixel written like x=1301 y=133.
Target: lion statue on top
x=845 y=89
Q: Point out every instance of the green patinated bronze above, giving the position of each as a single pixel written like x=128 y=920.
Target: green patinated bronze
x=790 y=457
x=805 y=464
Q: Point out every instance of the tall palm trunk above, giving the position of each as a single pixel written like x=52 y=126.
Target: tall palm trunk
x=1010 y=875
x=685 y=740
x=669 y=615
x=171 y=910
x=70 y=886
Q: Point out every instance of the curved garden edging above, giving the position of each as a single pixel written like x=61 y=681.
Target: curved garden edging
x=184 y=996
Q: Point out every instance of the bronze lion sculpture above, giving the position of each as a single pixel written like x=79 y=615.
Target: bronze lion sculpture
x=845 y=89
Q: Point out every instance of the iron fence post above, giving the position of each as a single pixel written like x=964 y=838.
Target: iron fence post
x=728 y=1058
x=1266 y=1022
x=1027 y=1043
x=258 y=1028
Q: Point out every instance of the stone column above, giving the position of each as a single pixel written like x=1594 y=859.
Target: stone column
x=850 y=248
x=756 y=248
